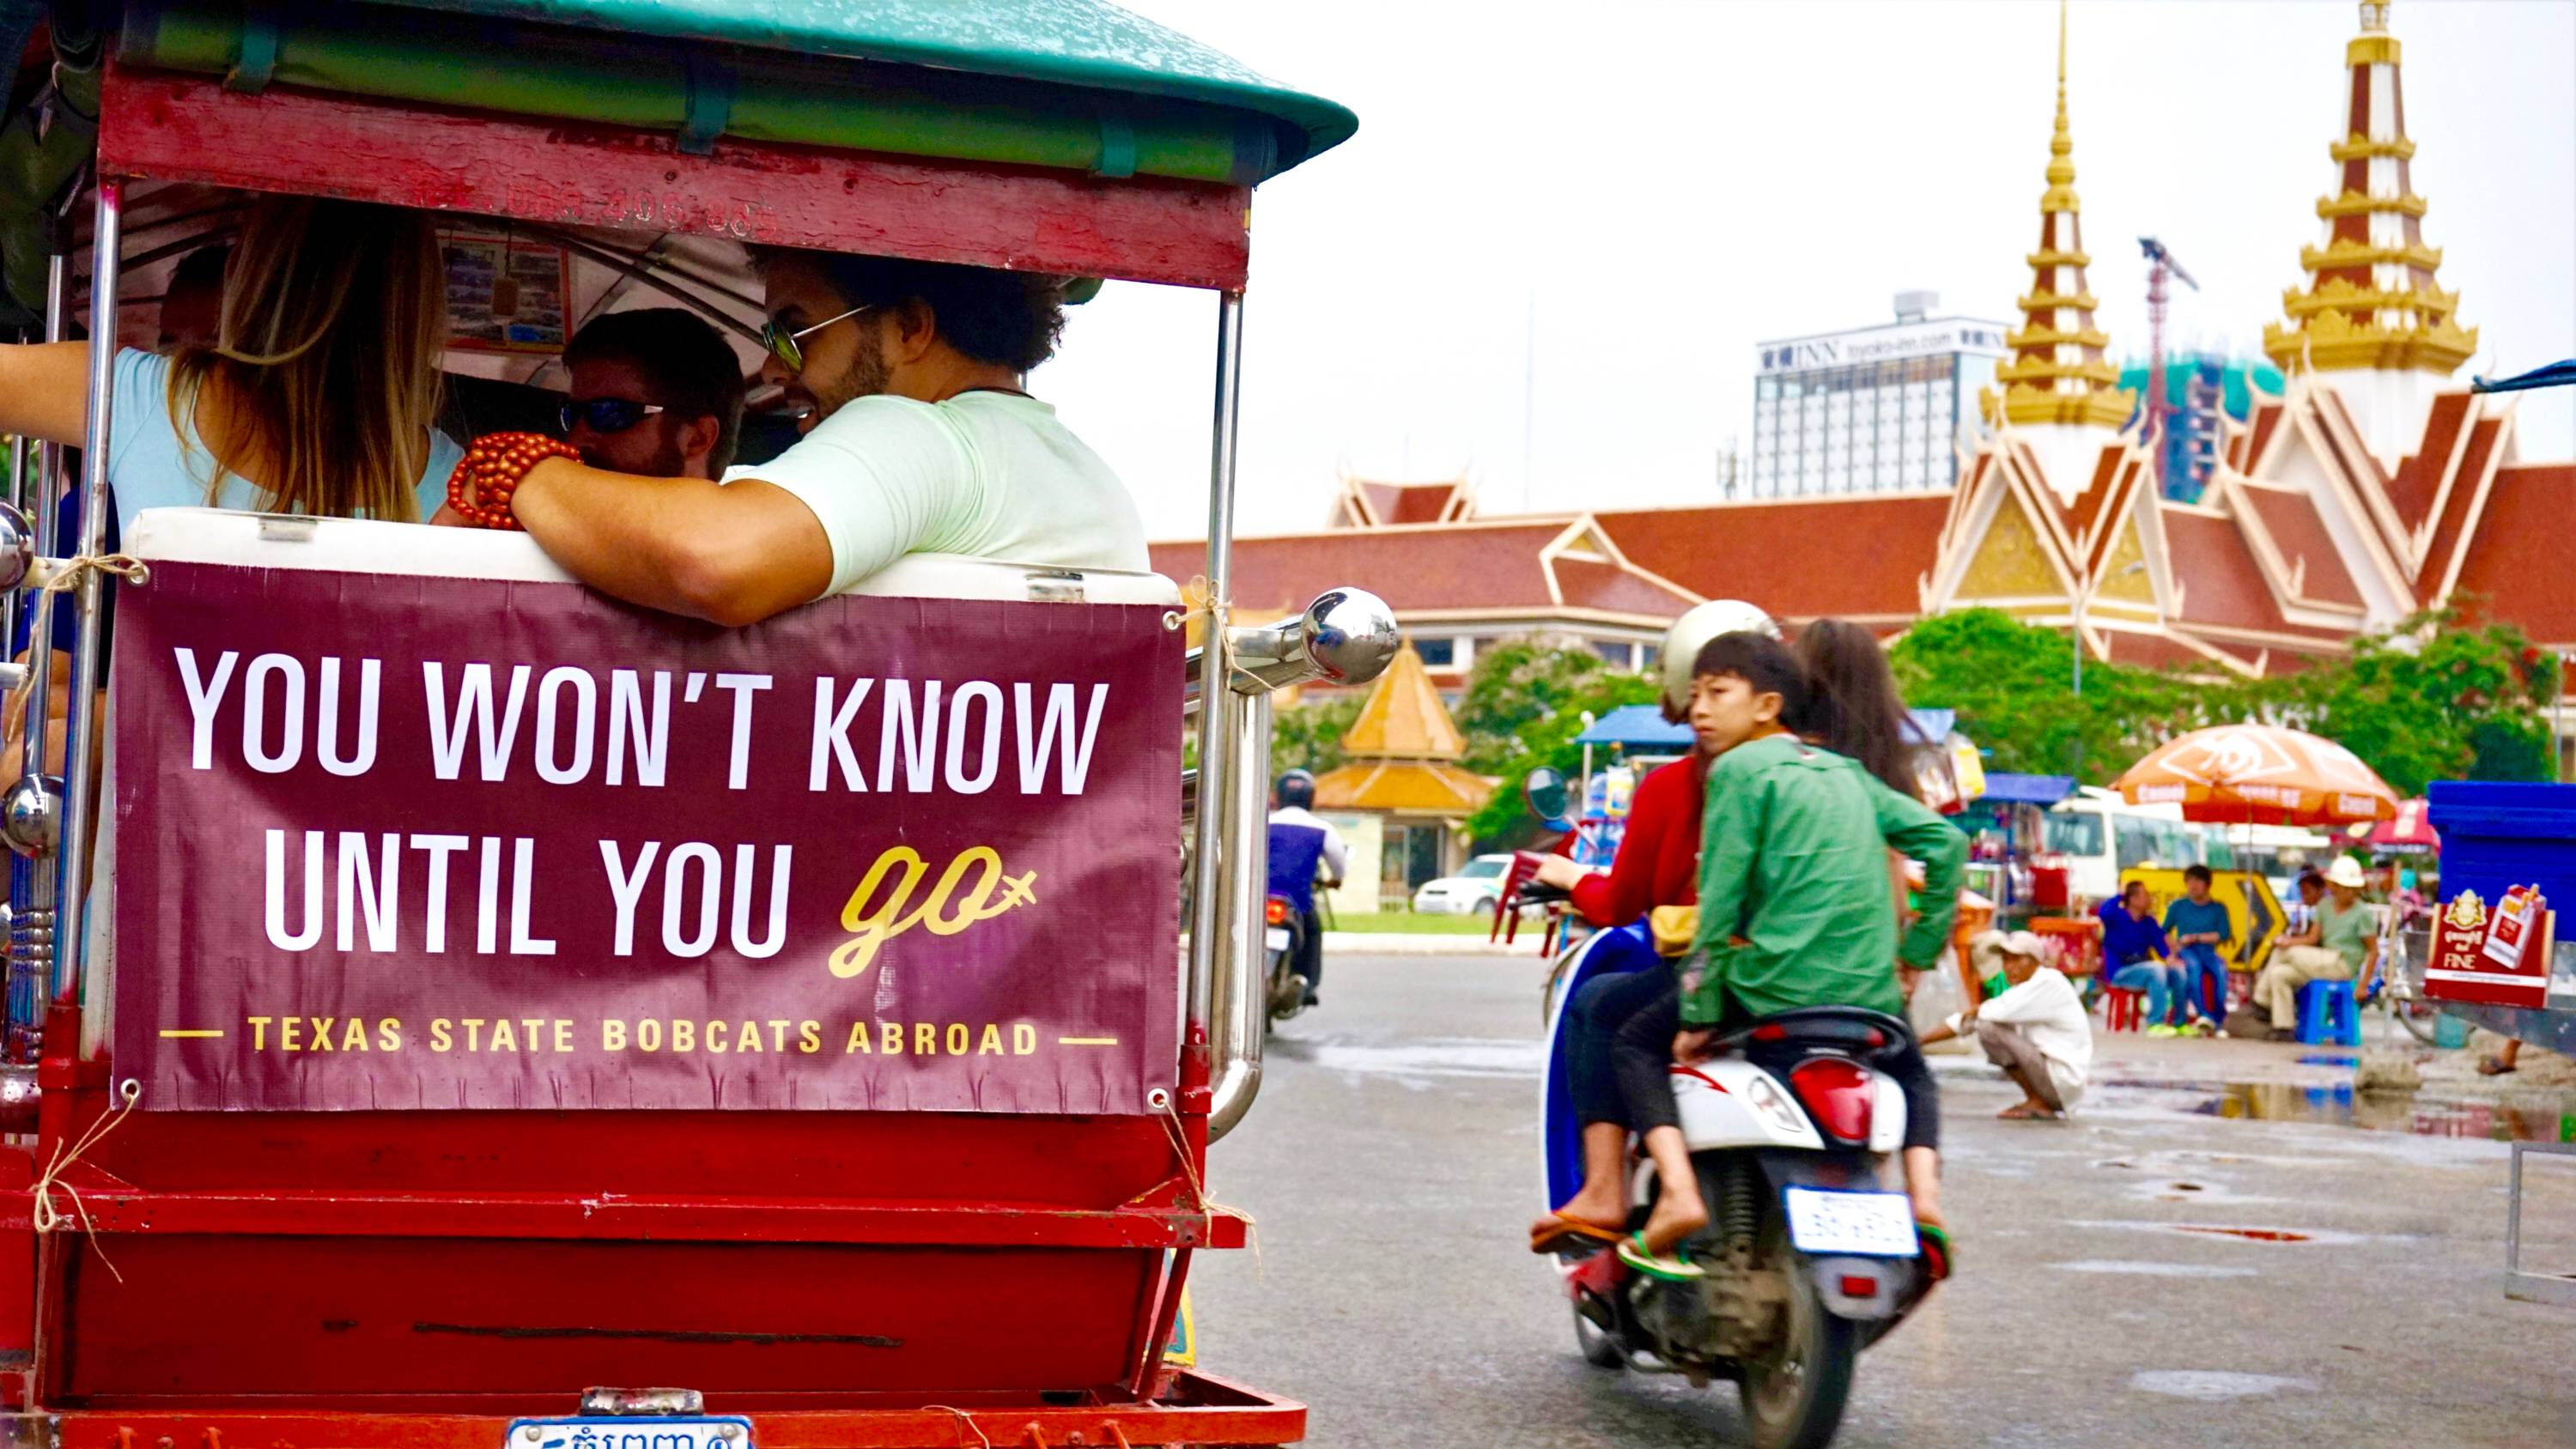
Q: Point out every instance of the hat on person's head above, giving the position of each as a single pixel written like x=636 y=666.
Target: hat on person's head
x=2026 y=943
x=2345 y=872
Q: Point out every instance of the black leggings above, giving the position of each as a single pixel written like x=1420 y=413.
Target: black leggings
x=1642 y=1057
x=1593 y=1015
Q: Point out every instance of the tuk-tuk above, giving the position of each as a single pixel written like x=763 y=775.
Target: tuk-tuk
x=681 y=1068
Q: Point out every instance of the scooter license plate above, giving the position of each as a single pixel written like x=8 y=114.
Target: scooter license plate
x=1275 y=937
x=1861 y=1224
x=638 y=1432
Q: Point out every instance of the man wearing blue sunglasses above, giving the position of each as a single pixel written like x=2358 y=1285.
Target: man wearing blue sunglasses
x=654 y=392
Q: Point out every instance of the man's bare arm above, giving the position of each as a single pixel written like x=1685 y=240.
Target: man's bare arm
x=733 y=555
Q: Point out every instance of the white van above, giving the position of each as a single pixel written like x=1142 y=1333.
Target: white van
x=2098 y=835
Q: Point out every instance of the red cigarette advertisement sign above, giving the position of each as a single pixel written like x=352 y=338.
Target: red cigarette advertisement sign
x=2496 y=952
x=425 y=843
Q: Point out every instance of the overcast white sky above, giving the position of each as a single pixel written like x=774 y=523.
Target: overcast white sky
x=1660 y=185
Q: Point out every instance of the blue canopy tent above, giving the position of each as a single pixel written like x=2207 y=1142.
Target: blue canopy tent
x=1635 y=728
x=2040 y=790
x=2556 y=374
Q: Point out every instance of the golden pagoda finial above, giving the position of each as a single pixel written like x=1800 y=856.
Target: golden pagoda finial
x=2371 y=301
x=2061 y=143
x=2059 y=372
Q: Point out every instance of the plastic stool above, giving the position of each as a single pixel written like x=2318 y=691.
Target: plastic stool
x=2120 y=1008
x=2327 y=1015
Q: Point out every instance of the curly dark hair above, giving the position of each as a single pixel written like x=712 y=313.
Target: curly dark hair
x=1007 y=319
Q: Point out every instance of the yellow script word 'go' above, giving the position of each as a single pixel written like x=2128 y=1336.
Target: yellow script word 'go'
x=877 y=911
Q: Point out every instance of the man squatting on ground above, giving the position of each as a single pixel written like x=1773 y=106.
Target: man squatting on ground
x=2035 y=1028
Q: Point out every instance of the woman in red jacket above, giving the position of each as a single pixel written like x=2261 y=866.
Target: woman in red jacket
x=1657 y=865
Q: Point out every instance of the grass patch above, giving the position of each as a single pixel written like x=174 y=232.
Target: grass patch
x=1408 y=923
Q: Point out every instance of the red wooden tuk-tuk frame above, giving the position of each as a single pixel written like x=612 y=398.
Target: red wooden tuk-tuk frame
x=169 y=1278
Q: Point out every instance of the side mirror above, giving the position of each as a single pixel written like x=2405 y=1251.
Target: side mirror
x=1546 y=789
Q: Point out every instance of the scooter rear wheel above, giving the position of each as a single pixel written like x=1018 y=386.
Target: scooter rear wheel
x=1600 y=1349
x=1794 y=1395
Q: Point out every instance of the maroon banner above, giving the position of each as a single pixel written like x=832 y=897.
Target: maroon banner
x=422 y=843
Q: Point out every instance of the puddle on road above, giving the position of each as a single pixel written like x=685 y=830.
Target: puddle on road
x=2415 y=1113
x=2145 y=1269
x=2212 y=1385
x=1418 y=1060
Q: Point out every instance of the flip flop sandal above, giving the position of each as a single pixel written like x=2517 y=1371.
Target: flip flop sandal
x=1938 y=1258
x=1569 y=1233
x=1634 y=1252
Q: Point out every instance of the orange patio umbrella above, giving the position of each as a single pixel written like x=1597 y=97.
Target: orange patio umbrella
x=2254 y=774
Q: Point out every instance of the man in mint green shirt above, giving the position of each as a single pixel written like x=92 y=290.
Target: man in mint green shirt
x=1796 y=908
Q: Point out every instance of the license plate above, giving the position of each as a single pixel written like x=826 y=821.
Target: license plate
x=1276 y=938
x=1864 y=1224
x=638 y=1432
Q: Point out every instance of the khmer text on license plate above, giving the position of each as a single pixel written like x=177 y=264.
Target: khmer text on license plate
x=639 y=1432
x=1276 y=938
x=1870 y=1224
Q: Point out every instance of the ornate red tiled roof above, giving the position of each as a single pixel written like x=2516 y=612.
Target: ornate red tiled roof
x=2418 y=481
x=1445 y=566
x=1394 y=503
x=1799 y=558
x=2476 y=455
x=2518 y=558
x=2267 y=421
x=2289 y=518
x=2222 y=584
x=1615 y=590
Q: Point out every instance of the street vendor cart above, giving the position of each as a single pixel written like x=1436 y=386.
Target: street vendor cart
x=604 y=1030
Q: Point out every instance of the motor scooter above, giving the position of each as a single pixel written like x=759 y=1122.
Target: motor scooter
x=1283 y=937
x=1809 y=1259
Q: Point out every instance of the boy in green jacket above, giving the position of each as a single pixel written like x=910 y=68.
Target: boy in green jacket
x=1795 y=909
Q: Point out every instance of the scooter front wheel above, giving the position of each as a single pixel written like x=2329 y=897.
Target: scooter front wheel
x=1794 y=1395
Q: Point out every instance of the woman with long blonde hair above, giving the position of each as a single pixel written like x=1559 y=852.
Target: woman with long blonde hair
x=318 y=397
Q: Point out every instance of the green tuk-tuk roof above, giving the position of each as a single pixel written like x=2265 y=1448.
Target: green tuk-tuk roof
x=1082 y=43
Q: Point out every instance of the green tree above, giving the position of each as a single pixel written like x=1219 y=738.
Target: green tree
x=2012 y=685
x=2439 y=696
x=1523 y=707
x=1308 y=736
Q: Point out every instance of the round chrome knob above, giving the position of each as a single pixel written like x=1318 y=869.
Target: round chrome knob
x=31 y=815
x=1350 y=634
x=17 y=547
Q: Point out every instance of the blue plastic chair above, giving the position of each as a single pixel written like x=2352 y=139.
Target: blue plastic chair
x=2328 y=1014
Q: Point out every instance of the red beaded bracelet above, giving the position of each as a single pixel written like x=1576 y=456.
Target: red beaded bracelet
x=491 y=471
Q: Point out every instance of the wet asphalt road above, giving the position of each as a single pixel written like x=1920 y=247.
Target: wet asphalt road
x=1391 y=1167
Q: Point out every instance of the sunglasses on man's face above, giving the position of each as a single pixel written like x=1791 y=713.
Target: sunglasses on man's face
x=606 y=414
x=787 y=346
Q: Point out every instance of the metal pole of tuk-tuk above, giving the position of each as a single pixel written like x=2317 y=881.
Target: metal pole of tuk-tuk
x=1219 y=705
x=34 y=901
x=70 y=956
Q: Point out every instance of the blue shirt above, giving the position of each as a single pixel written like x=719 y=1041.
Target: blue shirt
x=2187 y=917
x=150 y=465
x=2127 y=939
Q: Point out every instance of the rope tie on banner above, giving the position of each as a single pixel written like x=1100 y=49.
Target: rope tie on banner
x=66 y=574
x=1208 y=1207
x=46 y=1217
x=1198 y=604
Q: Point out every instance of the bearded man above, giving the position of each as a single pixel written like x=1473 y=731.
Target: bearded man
x=918 y=435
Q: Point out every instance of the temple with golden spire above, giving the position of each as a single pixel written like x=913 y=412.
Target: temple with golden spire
x=2373 y=486
x=2059 y=372
x=2371 y=311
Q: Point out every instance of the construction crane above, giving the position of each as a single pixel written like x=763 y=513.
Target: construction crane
x=2160 y=267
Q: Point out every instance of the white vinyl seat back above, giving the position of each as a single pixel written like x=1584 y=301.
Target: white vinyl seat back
x=351 y=545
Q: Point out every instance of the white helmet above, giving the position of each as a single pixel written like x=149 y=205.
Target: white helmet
x=1702 y=623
